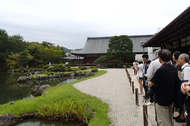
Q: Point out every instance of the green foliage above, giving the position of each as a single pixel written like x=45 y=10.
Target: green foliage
x=37 y=54
x=19 y=59
x=17 y=43
x=128 y=66
x=83 y=68
x=101 y=59
x=64 y=101
x=121 y=48
x=45 y=67
x=57 y=67
x=3 y=47
x=24 y=57
x=94 y=70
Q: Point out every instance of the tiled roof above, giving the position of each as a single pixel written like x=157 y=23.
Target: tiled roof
x=99 y=45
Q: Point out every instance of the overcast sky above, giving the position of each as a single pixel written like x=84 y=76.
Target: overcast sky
x=68 y=23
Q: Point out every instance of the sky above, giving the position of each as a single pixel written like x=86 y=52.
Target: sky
x=68 y=23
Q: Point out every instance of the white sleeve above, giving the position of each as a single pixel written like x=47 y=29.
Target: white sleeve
x=187 y=74
x=150 y=71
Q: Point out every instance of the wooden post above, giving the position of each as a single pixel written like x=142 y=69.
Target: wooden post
x=133 y=88
x=136 y=96
x=145 y=115
x=130 y=80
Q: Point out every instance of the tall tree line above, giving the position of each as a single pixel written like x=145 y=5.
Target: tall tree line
x=15 y=52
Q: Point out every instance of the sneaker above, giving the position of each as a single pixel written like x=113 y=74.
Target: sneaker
x=140 y=93
x=149 y=103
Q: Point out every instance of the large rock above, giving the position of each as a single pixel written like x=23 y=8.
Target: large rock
x=22 y=79
x=34 y=89
x=7 y=119
x=37 y=91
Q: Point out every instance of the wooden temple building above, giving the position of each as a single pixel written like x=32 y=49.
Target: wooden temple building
x=97 y=46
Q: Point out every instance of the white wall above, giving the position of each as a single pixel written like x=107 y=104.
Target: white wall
x=151 y=54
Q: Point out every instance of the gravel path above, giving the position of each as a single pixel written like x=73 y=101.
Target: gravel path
x=114 y=88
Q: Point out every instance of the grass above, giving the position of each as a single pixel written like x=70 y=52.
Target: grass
x=66 y=102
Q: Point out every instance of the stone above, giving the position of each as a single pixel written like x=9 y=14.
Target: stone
x=7 y=119
x=34 y=89
x=22 y=79
x=27 y=115
x=42 y=89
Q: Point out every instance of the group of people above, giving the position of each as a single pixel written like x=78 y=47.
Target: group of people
x=166 y=83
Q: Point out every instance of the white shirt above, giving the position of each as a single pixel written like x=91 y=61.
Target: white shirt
x=140 y=71
x=185 y=74
x=154 y=65
x=135 y=64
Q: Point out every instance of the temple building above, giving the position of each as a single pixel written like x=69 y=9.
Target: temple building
x=97 y=46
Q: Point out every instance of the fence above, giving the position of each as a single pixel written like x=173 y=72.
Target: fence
x=135 y=91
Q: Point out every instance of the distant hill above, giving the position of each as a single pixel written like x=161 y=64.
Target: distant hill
x=65 y=49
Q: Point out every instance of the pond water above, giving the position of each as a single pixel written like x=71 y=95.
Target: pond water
x=41 y=122
x=11 y=90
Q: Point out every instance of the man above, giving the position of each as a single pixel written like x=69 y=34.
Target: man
x=145 y=58
x=166 y=83
x=185 y=77
x=153 y=67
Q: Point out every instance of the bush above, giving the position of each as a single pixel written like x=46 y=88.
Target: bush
x=46 y=67
x=83 y=68
x=56 y=67
x=94 y=70
x=128 y=66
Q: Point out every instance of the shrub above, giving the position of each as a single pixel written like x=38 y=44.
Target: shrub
x=57 y=67
x=128 y=66
x=83 y=68
x=46 y=67
x=94 y=70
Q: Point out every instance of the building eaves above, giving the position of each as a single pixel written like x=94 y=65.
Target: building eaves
x=170 y=30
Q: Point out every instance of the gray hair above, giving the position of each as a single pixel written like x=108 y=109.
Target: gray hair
x=184 y=56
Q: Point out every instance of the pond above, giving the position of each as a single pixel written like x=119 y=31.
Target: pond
x=11 y=90
x=41 y=122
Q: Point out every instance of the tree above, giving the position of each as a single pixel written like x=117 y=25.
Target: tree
x=4 y=45
x=121 y=48
x=24 y=57
x=19 y=59
x=11 y=61
x=120 y=51
x=16 y=44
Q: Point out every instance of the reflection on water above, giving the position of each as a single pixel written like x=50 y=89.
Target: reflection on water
x=11 y=90
x=41 y=122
